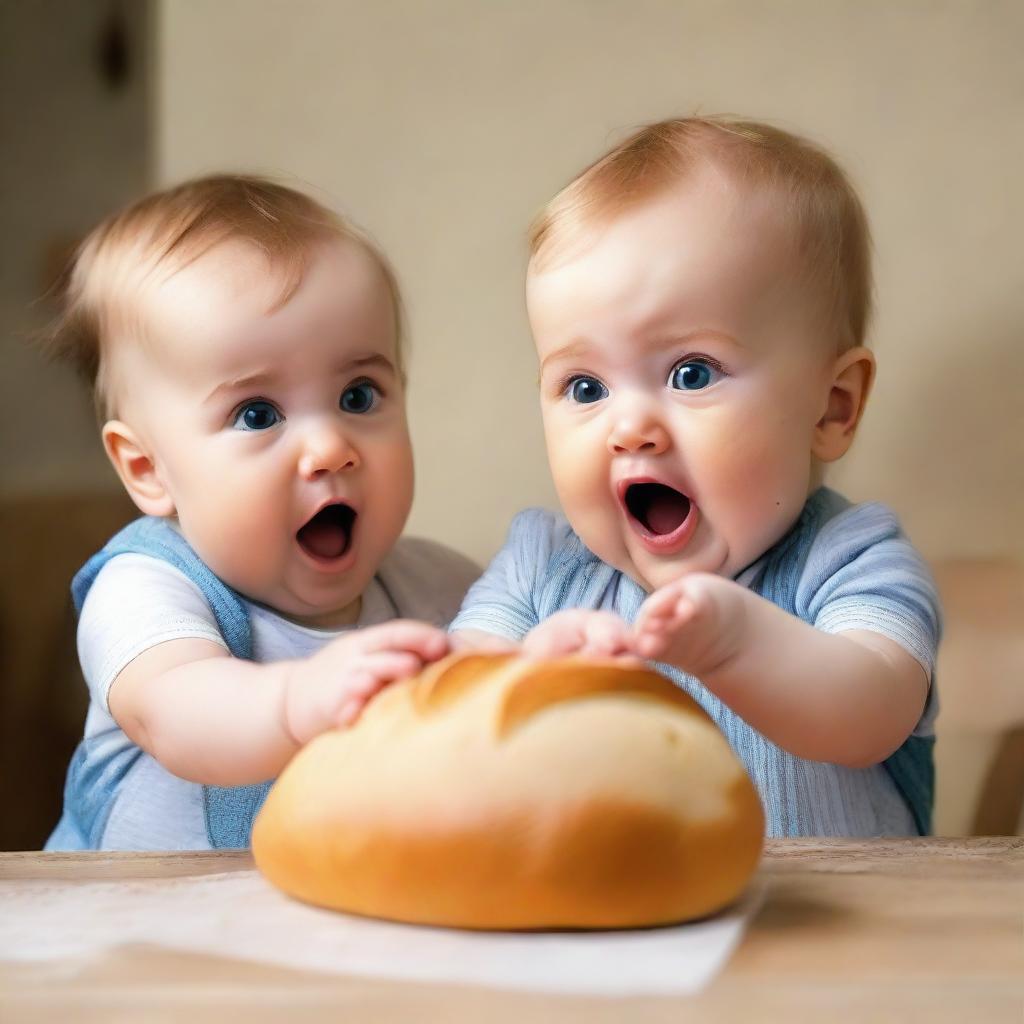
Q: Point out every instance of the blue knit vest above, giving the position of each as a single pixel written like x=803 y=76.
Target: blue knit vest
x=229 y=811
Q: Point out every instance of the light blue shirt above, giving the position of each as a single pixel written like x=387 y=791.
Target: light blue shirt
x=841 y=567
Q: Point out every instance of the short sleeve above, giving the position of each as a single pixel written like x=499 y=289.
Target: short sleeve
x=863 y=573
x=136 y=603
x=504 y=600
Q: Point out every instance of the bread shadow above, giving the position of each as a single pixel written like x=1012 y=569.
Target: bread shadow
x=784 y=911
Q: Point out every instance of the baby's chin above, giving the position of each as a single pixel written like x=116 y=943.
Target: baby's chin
x=314 y=612
x=653 y=572
x=325 y=610
x=330 y=618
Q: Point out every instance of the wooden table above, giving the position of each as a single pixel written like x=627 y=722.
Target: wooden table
x=895 y=930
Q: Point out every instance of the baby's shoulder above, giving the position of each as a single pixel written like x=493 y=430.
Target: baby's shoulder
x=549 y=562
x=847 y=549
x=543 y=535
x=131 y=580
x=833 y=540
x=842 y=532
x=150 y=538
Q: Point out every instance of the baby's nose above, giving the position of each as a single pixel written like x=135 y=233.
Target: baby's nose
x=637 y=431
x=326 y=450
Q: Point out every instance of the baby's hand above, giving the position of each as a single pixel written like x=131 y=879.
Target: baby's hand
x=479 y=640
x=696 y=623
x=577 y=631
x=331 y=687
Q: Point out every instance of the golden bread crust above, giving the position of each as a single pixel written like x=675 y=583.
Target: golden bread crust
x=495 y=792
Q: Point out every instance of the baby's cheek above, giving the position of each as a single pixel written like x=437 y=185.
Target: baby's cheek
x=243 y=545
x=593 y=515
x=581 y=482
x=576 y=450
x=765 y=493
x=758 y=448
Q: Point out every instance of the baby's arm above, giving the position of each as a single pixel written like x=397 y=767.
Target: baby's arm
x=218 y=720
x=850 y=698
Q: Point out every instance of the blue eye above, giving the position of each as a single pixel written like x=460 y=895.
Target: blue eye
x=359 y=398
x=693 y=375
x=586 y=390
x=256 y=416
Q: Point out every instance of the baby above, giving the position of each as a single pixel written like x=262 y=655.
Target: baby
x=244 y=347
x=699 y=299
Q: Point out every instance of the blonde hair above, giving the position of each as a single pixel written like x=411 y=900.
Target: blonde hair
x=170 y=229
x=831 y=229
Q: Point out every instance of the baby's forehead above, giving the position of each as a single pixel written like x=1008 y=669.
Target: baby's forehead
x=707 y=202
x=333 y=287
x=205 y=284
x=691 y=262
x=694 y=234
x=159 y=305
x=235 y=280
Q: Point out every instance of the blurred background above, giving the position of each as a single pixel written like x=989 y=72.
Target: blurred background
x=441 y=127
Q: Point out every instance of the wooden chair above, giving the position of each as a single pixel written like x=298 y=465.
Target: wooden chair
x=980 y=748
x=43 y=698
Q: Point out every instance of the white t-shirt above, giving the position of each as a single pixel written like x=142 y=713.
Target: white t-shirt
x=138 y=601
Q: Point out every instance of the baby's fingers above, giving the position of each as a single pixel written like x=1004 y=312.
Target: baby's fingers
x=551 y=643
x=606 y=634
x=601 y=634
x=419 y=638
x=660 y=606
x=370 y=676
x=560 y=635
x=651 y=644
x=371 y=671
x=656 y=630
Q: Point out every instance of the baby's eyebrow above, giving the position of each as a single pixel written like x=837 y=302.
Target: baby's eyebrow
x=576 y=349
x=573 y=350
x=257 y=381
x=254 y=381
x=376 y=359
x=692 y=339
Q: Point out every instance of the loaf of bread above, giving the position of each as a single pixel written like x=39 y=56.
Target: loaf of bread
x=497 y=792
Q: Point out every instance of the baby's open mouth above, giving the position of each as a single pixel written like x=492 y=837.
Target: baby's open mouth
x=328 y=534
x=658 y=508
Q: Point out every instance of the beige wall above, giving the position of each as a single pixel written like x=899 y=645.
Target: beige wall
x=73 y=147
x=443 y=125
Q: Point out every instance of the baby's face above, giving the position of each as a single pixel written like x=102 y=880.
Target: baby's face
x=280 y=435
x=682 y=375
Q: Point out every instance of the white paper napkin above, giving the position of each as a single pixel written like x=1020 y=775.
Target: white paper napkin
x=239 y=915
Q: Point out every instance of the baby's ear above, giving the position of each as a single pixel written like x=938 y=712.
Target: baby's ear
x=853 y=374
x=136 y=469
